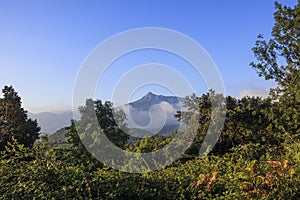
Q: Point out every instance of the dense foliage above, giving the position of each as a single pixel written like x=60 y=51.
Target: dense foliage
x=14 y=121
x=256 y=157
x=235 y=175
x=279 y=59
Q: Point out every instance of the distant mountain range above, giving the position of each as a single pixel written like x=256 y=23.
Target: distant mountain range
x=151 y=114
x=50 y=122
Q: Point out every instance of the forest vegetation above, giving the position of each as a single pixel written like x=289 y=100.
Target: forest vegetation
x=256 y=156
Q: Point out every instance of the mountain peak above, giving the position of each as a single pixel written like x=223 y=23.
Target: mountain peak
x=151 y=99
x=149 y=94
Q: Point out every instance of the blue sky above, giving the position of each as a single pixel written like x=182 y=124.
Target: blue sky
x=44 y=43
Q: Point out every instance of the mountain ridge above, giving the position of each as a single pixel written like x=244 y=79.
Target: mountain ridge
x=159 y=107
x=155 y=99
x=153 y=113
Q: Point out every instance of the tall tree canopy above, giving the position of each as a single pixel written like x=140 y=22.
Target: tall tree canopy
x=105 y=118
x=97 y=118
x=14 y=121
x=278 y=59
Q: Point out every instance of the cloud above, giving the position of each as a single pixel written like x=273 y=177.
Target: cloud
x=253 y=92
x=145 y=119
x=167 y=107
x=151 y=122
x=156 y=117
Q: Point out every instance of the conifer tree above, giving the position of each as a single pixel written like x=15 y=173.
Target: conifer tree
x=14 y=121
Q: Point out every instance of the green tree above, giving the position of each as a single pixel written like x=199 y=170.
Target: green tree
x=112 y=122
x=14 y=121
x=278 y=59
x=96 y=118
x=198 y=117
x=246 y=122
